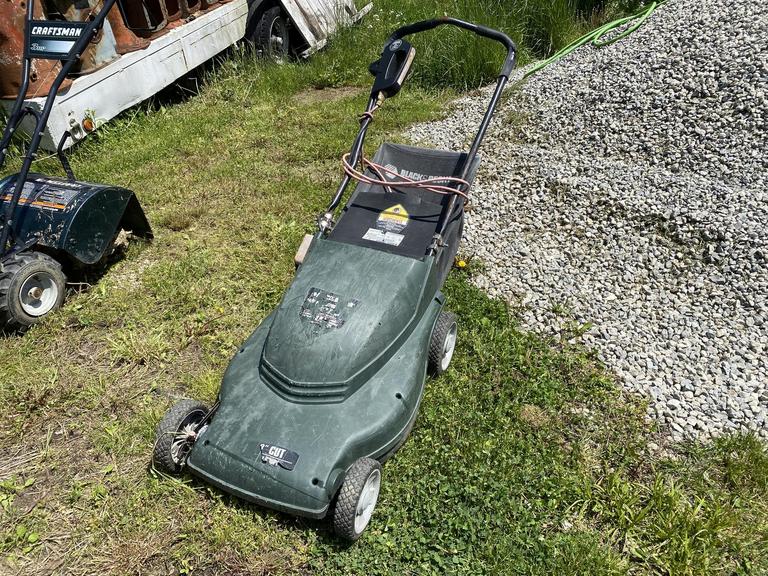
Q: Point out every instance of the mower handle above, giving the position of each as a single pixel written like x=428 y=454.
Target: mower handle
x=484 y=31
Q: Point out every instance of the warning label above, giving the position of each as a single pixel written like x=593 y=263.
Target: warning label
x=42 y=195
x=384 y=237
x=393 y=219
x=326 y=309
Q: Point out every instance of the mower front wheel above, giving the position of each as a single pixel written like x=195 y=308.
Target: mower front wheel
x=357 y=499
x=32 y=285
x=176 y=434
x=442 y=343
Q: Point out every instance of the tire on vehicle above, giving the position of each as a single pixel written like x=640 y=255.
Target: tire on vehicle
x=268 y=32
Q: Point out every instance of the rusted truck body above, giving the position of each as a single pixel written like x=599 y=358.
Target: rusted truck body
x=144 y=46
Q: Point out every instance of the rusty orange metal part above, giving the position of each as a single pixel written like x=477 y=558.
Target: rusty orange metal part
x=126 y=40
x=12 y=54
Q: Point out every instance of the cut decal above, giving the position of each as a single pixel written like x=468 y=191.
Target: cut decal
x=53 y=40
x=277 y=456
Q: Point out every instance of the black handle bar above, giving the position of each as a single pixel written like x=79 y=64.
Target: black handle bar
x=509 y=63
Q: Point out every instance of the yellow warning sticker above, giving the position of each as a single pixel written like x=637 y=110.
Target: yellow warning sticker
x=393 y=219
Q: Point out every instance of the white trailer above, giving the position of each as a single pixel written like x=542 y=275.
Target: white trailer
x=101 y=95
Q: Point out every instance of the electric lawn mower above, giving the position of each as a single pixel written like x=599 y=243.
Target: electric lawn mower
x=47 y=224
x=328 y=386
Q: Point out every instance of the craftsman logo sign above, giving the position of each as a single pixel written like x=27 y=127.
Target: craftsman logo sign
x=277 y=456
x=53 y=40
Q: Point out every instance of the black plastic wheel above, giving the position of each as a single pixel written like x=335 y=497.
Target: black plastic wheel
x=357 y=499
x=175 y=435
x=32 y=285
x=442 y=343
x=270 y=35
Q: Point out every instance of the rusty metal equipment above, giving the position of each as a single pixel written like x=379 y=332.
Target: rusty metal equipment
x=127 y=41
x=42 y=72
x=142 y=17
x=128 y=27
x=50 y=225
x=173 y=9
x=102 y=49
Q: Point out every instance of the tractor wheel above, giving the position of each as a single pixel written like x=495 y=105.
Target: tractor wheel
x=442 y=343
x=175 y=435
x=271 y=36
x=32 y=285
x=357 y=499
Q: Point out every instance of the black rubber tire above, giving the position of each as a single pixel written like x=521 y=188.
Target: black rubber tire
x=345 y=508
x=15 y=270
x=445 y=322
x=272 y=18
x=179 y=415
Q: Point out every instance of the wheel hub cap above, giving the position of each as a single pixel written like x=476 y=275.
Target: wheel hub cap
x=367 y=502
x=38 y=294
x=448 y=347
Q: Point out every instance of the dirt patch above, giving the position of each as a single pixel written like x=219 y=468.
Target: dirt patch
x=314 y=95
x=533 y=416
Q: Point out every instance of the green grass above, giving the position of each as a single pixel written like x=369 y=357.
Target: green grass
x=525 y=458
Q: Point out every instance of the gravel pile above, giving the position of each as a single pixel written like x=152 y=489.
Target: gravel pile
x=634 y=198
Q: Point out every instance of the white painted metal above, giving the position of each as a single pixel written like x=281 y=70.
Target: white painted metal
x=318 y=19
x=132 y=78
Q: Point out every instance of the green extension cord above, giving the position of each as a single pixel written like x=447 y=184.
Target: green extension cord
x=596 y=36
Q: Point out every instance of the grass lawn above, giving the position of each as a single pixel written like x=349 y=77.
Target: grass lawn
x=525 y=459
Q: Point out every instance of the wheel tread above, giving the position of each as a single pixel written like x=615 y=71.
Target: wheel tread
x=262 y=32
x=345 y=508
x=9 y=268
x=442 y=326
x=165 y=431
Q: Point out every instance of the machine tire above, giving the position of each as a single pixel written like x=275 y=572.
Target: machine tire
x=442 y=343
x=360 y=490
x=28 y=271
x=272 y=24
x=165 y=455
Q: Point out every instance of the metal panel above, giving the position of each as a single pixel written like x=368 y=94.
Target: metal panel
x=318 y=19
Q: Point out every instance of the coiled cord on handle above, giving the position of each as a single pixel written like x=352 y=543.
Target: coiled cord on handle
x=436 y=185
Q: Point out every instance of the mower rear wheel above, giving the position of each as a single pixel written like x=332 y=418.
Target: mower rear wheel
x=176 y=434
x=442 y=343
x=32 y=285
x=357 y=499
